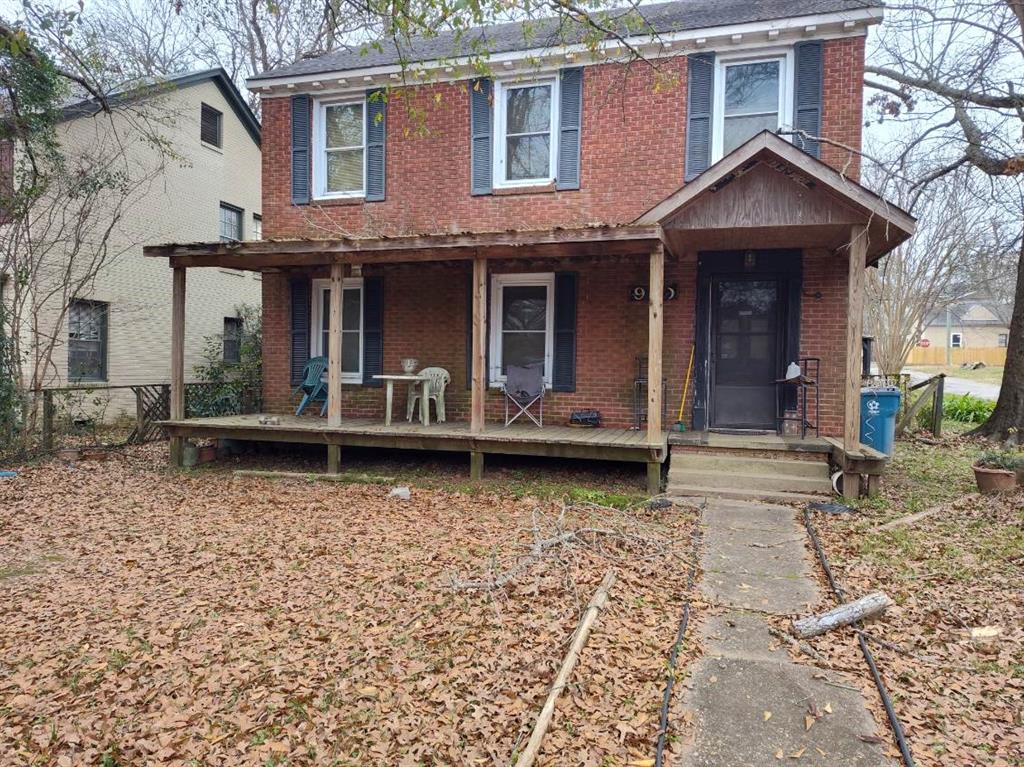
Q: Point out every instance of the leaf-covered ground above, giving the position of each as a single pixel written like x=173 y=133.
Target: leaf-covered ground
x=961 y=701
x=200 y=619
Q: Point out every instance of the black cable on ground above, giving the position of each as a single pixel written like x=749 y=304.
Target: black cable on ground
x=840 y=595
x=659 y=752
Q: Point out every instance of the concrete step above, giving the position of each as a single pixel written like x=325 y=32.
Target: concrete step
x=772 y=496
x=734 y=464
x=744 y=481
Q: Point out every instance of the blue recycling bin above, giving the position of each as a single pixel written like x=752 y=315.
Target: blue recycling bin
x=878 y=409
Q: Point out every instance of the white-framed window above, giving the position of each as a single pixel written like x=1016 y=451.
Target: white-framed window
x=1003 y=340
x=339 y=148
x=525 y=132
x=752 y=93
x=351 y=326
x=522 y=322
x=230 y=223
x=257 y=226
x=956 y=340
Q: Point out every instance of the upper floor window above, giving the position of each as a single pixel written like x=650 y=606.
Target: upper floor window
x=211 y=125
x=751 y=95
x=230 y=223
x=525 y=144
x=339 y=160
x=87 y=341
x=257 y=227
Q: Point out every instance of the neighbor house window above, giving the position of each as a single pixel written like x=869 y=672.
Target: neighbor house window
x=1002 y=340
x=956 y=340
x=522 y=318
x=211 y=123
x=339 y=162
x=230 y=223
x=257 y=226
x=525 y=116
x=232 y=340
x=751 y=95
x=351 y=326
x=87 y=341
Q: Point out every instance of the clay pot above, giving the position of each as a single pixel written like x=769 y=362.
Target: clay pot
x=69 y=454
x=995 y=480
x=207 y=453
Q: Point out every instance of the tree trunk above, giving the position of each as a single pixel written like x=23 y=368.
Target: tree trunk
x=1007 y=420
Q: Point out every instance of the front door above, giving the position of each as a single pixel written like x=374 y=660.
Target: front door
x=746 y=345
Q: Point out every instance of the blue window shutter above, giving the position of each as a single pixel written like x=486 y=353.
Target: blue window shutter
x=563 y=377
x=808 y=96
x=376 y=133
x=570 y=117
x=301 y=167
x=700 y=98
x=481 y=116
x=300 y=312
x=373 y=330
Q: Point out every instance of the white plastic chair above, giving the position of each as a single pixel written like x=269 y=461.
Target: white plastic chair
x=439 y=379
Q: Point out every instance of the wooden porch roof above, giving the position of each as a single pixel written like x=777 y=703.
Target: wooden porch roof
x=548 y=243
x=769 y=194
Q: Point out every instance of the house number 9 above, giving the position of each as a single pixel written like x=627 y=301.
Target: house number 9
x=639 y=293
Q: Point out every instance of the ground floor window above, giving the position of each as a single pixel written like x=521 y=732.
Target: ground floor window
x=87 y=340
x=351 y=324
x=521 y=322
x=1002 y=340
x=956 y=340
x=232 y=340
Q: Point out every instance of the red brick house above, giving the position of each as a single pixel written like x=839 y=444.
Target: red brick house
x=667 y=208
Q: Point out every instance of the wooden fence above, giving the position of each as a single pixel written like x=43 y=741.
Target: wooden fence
x=936 y=355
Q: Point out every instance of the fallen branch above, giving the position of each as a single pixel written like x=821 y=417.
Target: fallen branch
x=582 y=634
x=803 y=647
x=910 y=519
x=869 y=606
x=357 y=479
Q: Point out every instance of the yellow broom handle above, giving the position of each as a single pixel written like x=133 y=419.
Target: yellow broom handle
x=686 y=386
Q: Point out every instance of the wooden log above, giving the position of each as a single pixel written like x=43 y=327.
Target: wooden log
x=870 y=606
x=597 y=603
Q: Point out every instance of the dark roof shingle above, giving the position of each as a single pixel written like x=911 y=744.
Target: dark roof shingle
x=661 y=18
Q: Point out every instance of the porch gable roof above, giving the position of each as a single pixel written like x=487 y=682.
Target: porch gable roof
x=768 y=193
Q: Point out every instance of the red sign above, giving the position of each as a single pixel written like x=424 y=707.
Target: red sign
x=924 y=343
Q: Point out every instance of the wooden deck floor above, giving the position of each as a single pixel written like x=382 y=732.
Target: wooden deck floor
x=517 y=439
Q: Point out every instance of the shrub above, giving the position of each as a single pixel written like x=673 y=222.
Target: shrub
x=967 y=408
x=10 y=401
x=230 y=387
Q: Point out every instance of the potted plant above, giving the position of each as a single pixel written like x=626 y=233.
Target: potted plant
x=996 y=472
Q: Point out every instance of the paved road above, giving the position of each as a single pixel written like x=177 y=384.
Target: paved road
x=961 y=385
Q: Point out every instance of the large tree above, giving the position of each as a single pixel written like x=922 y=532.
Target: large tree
x=953 y=69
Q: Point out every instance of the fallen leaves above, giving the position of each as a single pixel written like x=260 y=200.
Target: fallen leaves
x=176 y=617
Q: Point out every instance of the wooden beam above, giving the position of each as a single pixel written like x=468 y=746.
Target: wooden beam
x=479 y=351
x=854 y=332
x=334 y=346
x=655 y=328
x=177 y=403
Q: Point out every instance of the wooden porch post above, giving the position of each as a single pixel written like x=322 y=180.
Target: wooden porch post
x=655 y=327
x=479 y=362
x=854 y=331
x=334 y=338
x=177 y=404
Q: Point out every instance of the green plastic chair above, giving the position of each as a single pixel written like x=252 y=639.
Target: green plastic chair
x=313 y=386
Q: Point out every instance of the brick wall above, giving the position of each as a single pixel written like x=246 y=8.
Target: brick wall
x=631 y=158
x=425 y=317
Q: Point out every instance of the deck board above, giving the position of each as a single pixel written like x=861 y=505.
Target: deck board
x=520 y=439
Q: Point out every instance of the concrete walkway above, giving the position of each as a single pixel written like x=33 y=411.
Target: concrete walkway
x=750 y=702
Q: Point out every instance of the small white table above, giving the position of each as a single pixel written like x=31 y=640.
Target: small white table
x=390 y=393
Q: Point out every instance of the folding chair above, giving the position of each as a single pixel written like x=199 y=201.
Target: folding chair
x=313 y=386
x=524 y=388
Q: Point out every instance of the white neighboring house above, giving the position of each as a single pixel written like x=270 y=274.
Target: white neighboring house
x=117 y=332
